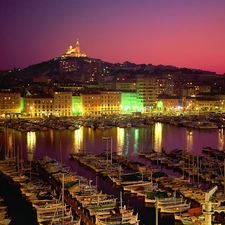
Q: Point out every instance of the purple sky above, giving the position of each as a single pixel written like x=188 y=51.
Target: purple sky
x=183 y=33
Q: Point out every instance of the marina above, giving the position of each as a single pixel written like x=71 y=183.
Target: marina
x=79 y=141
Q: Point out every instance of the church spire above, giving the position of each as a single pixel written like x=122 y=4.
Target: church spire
x=78 y=46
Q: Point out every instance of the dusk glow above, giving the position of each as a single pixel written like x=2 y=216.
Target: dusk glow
x=180 y=33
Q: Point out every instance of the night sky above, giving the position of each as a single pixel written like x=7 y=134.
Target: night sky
x=183 y=33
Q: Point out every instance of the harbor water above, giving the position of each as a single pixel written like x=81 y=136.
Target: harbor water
x=58 y=144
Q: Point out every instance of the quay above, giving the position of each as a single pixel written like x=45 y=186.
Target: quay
x=69 y=200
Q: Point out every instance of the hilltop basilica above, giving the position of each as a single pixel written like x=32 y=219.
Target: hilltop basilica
x=74 y=52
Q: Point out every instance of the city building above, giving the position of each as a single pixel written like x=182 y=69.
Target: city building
x=170 y=105
x=68 y=64
x=191 y=105
x=62 y=103
x=38 y=106
x=9 y=104
x=111 y=102
x=130 y=103
x=41 y=79
x=126 y=86
x=165 y=86
x=91 y=104
x=147 y=89
x=76 y=105
x=101 y=103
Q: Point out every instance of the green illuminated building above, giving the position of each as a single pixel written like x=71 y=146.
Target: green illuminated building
x=76 y=105
x=160 y=106
x=21 y=104
x=130 y=103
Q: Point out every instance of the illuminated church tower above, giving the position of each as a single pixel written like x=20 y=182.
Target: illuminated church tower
x=74 y=52
x=77 y=49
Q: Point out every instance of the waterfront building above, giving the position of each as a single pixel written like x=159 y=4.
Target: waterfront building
x=76 y=105
x=62 y=103
x=58 y=103
x=206 y=105
x=38 y=105
x=9 y=104
x=210 y=103
x=103 y=102
x=191 y=105
x=130 y=103
x=147 y=90
x=91 y=104
x=111 y=102
x=170 y=105
x=95 y=99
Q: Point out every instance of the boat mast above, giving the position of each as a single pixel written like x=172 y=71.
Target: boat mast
x=18 y=159
x=193 y=167
x=21 y=160
x=189 y=167
x=60 y=151
x=121 y=201
x=107 y=146
x=63 y=198
x=111 y=150
x=224 y=177
x=14 y=143
x=6 y=135
x=183 y=163
x=30 y=156
x=156 y=211
x=198 y=167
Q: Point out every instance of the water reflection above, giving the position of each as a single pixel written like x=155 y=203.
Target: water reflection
x=31 y=141
x=220 y=139
x=189 y=141
x=136 y=140
x=147 y=139
x=158 y=137
x=51 y=136
x=10 y=143
x=78 y=140
x=125 y=141
x=120 y=142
